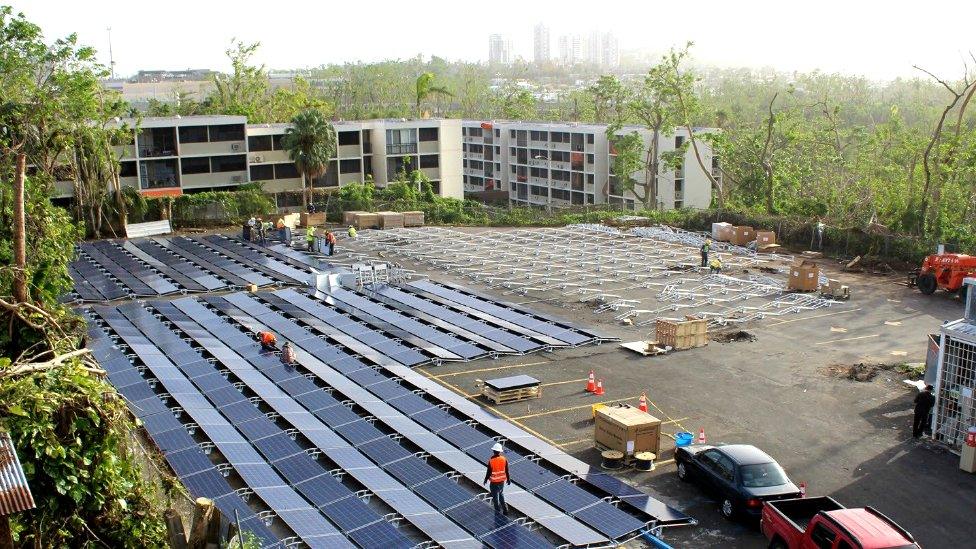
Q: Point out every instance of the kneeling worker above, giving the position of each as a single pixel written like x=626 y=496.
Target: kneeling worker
x=288 y=353
x=496 y=478
x=715 y=266
x=269 y=341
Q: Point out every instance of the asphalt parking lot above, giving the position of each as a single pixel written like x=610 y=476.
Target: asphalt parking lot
x=847 y=439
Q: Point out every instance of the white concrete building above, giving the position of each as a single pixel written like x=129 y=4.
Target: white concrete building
x=557 y=165
x=170 y=156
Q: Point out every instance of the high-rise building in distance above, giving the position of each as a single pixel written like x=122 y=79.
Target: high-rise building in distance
x=499 y=50
x=541 y=44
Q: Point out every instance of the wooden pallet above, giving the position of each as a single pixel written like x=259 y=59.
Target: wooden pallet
x=510 y=395
x=645 y=348
x=682 y=334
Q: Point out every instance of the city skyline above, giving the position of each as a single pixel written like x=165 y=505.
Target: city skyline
x=739 y=35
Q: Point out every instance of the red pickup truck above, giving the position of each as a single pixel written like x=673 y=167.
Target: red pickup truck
x=822 y=523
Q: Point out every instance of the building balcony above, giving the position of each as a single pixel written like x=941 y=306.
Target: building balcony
x=401 y=148
x=214 y=148
x=429 y=147
x=348 y=151
x=268 y=157
x=474 y=156
x=219 y=179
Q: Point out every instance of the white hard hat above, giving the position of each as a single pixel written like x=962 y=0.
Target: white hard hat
x=497 y=447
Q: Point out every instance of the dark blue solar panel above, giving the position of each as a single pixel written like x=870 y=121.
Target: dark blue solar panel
x=411 y=471
x=337 y=415
x=324 y=490
x=464 y=436
x=566 y=496
x=209 y=483
x=410 y=404
x=188 y=462
x=359 y=432
x=609 y=520
x=298 y=468
x=477 y=517
x=515 y=536
x=388 y=390
x=381 y=534
x=350 y=514
x=443 y=492
x=173 y=440
x=258 y=428
x=530 y=475
x=384 y=450
x=436 y=419
x=277 y=446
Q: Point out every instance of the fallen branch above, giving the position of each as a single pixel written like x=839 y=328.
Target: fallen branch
x=31 y=367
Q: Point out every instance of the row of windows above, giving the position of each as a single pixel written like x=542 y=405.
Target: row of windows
x=211 y=134
x=213 y=164
x=555 y=137
x=257 y=143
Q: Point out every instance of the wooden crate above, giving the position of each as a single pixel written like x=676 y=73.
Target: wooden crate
x=681 y=334
x=510 y=395
x=390 y=220
x=313 y=219
x=413 y=219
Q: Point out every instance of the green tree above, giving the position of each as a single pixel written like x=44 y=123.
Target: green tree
x=311 y=144
x=426 y=89
x=245 y=90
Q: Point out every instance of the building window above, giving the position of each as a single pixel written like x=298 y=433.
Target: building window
x=264 y=172
x=127 y=169
x=259 y=143
x=233 y=163
x=367 y=166
x=589 y=159
x=430 y=161
x=679 y=140
x=589 y=178
x=351 y=165
x=227 y=132
x=276 y=142
x=436 y=187
x=589 y=138
x=194 y=165
x=430 y=134
x=367 y=144
x=193 y=134
x=285 y=171
x=348 y=138
x=401 y=141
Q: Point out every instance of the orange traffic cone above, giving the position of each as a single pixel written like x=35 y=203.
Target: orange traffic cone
x=591 y=383
x=701 y=436
x=803 y=489
x=599 y=387
x=642 y=403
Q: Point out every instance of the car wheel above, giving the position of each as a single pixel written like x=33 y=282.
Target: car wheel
x=683 y=472
x=728 y=510
x=927 y=283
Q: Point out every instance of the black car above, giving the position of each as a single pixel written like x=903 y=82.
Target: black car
x=740 y=476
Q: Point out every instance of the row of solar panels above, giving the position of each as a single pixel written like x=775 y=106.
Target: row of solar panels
x=545 y=497
x=150 y=267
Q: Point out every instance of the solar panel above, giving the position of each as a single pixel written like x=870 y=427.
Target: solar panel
x=384 y=450
x=444 y=491
x=513 y=536
x=478 y=517
x=609 y=520
x=412 y=471
x=566 y=496
x=381 y=534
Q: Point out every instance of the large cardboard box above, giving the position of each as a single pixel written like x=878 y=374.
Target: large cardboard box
x=313 y=219
x=742 y=235
x=349 y=218
x=722 y=232
x=390 y=220
x=681 y=334
x=765 y=239
x=627 y=429
x=413 y=219
x=364 y=220
x=804 y=276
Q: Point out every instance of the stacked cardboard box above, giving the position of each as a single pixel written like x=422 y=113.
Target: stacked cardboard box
x=765 y=239
x=627 y=430
x=349 y=218
x=722 y=232
x=413 y=219
x=681 y=334
x=366 y=220
x=390 y=220
x=742 y=235
x=804 y=276
x=313 y=219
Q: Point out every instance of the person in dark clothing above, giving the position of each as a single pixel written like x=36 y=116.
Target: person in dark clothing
x=705 y=247
x=496 y=477
x=924 y=402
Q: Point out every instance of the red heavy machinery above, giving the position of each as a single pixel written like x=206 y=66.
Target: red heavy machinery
x=946 y=271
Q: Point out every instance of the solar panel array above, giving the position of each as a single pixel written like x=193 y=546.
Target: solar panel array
x=149 y=267
x=349 y=446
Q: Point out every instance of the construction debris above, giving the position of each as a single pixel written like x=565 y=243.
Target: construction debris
x=733 y=336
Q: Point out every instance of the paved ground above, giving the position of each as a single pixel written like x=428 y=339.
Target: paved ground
x=847 y=439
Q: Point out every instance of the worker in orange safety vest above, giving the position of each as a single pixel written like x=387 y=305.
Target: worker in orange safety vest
x=268 y=340
x=496 y=478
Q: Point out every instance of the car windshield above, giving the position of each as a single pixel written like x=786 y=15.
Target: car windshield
x=762 y=475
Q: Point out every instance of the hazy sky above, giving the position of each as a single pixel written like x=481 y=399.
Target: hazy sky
x=878 y=39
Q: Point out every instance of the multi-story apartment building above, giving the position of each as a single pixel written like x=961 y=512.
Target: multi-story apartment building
x=169 y=156
x=556 y=165
x=499 y=49
x=541 y=43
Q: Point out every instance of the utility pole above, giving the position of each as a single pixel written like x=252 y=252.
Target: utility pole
x=111 y=58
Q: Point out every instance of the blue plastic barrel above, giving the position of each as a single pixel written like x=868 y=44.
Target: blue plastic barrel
x=683 y=439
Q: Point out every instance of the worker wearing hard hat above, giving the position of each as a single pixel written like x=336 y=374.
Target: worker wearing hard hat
x=715 y=266
x=496 y=478
x=352 y=231
x=705 y=248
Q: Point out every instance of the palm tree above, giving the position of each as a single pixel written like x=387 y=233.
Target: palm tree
x=426 y=88
x=311 y=144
